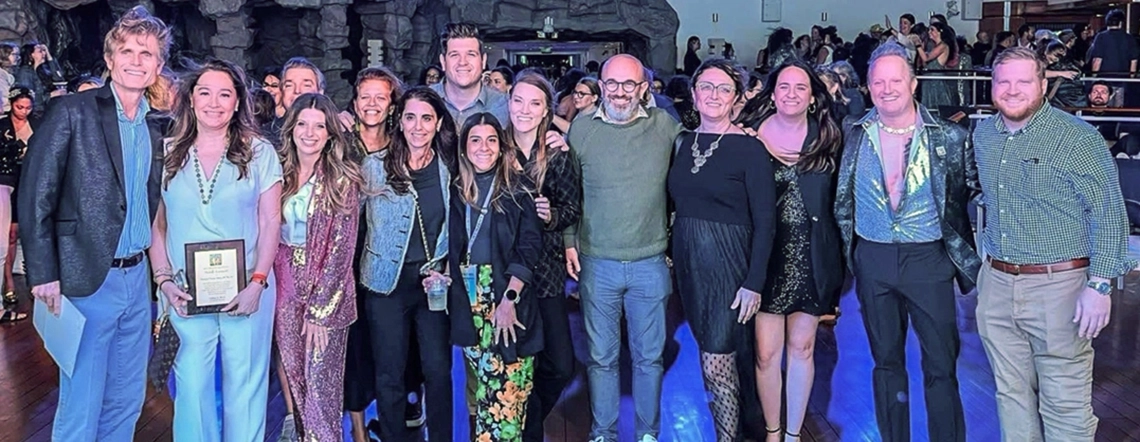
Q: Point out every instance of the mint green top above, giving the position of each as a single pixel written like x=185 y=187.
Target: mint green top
x=296 y=214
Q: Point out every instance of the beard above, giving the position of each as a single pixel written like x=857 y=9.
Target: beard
x=1022 y=114
x=618 y=112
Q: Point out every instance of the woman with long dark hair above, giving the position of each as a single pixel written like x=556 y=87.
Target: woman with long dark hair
x=222 y=182
x=722 y=187
x=496 y=242
x=16 y=129
x=792 y=117
x=317 y=291
x=779 y=49
x=943 y=54
x=402 y=267
x=585 y=97
x=39 y=72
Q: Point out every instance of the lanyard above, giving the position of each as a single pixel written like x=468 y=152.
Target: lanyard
x=472 y=234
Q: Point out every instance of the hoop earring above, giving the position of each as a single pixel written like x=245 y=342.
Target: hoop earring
x=811 y=108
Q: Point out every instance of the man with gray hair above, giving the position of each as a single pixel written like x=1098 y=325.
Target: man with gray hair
x=299 y=76
x=904 y=183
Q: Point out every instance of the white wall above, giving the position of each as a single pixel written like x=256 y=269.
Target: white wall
x=740 y=20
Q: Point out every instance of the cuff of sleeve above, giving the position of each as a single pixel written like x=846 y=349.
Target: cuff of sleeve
x=521 y=272
x=1107 y=271
x=754 y=283
x=549 y=226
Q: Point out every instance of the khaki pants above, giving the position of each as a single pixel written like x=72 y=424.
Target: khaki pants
x=1042 y=368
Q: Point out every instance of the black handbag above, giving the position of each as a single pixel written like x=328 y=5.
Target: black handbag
x=165 y=348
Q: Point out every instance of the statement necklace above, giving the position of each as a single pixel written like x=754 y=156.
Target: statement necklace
x=699 y=159
x=205 y=193
x=893 y=131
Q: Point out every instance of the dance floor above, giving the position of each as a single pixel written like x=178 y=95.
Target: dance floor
x=840 y=409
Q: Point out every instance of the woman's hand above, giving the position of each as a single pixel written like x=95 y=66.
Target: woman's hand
x=748 y=302
x=247 y=302
x=432 y=277
x=505 y=321
x=542 y=206
x=175 y=297
x=316 y=338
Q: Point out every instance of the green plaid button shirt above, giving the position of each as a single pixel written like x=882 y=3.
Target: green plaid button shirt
x=1051 y=193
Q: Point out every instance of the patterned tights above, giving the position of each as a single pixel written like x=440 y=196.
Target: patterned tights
x=723 y=383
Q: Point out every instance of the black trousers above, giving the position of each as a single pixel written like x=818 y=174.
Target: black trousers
x=554 y=366
x=894 y=282
x=359 y=373
x=394 y=321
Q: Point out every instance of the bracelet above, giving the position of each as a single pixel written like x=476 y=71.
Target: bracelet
x=162 y=281
x=260 y=278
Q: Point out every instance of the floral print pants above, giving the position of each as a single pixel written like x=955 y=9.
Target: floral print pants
x=502 y=389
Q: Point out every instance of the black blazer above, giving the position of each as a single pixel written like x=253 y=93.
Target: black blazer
x=818 y=190
x=70 y=226
x=516 y=248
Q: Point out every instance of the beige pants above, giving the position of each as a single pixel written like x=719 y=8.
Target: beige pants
x=1042 y=367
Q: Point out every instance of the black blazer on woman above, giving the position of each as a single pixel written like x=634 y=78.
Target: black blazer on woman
x=516 y=248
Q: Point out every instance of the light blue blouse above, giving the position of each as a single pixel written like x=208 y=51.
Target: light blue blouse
x=296 y=214
x=232 y=211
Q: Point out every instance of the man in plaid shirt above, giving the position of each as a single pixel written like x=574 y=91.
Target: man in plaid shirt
x=1055 y=234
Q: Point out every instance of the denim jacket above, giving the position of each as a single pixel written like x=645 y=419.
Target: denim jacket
x=390 y=217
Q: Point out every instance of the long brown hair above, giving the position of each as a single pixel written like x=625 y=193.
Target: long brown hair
x=506 y=175
x=536 y=168
x=336 y=173
x=822 y=154
x=239 y=136
x=399 y=177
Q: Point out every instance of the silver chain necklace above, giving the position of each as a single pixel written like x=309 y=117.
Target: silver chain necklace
x=699 y=159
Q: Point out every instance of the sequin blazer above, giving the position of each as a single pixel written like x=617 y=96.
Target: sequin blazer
x=326 y=286
x=955 y=181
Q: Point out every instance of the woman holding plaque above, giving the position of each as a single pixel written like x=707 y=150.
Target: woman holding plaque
x=222 y=183
x=496 y=242
x=401 y=269
x=317 y=291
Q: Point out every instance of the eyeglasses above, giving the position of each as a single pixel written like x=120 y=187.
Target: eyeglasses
x=627 y=86
x=580 y=94
x=707 y=88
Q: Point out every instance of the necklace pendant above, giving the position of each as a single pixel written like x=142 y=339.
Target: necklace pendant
x=695 y=169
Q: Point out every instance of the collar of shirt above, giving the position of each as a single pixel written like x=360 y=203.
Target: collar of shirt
x=482 y=99
x=140 y=115
x=1041 y=113
x=601 y=114
x=923 y=118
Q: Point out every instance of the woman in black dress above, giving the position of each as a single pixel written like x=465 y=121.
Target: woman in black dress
x=15 y=130
x=793 y=119
x=722 y=188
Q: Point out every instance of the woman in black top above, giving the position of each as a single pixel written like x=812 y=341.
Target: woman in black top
x=722 y=187
x=39 y=72
x=558 y=205
x=793 y=119
x=692 y=60
x=15 y=131
x=495 y=244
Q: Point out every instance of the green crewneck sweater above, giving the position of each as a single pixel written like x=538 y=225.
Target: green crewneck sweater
x=624 y=168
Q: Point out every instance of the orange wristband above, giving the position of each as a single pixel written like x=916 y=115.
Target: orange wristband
x=260 y=278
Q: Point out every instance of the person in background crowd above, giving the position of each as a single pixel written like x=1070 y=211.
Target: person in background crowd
x=567 y=108
x=501 y=78
x=944 y=49
x=1002 y=41
x=9 y=61
x=96 y=198
x=778 y=50
x=802 y=46
x=221 y=182
x=496 y=243
x=263 y=107
x=729 y=53
x=299 y=76
x=271 y=82
x=83 y=83
x=39 y=72
x=722 y=234
x=906 y=36
x=831 y=85
x=320 y=211
x=1068 y=37
x=754 y=86
x=825 y=52
x=558 y=206
x=1065 y=88
x=658 y=86
x=1025 y=34
x=905 y=181
x=692 y=59
x=162 y=93
x=16 y=130
x=431 y=75
x=1079 y=51
x=651 y=100
x=1041 y=37
x=850 y=88
x=981 y=48
x=403 y=263
x=680 y=91
x=1099 y=94
x=1114 y=53
x=1062 y=254
x=585 y=98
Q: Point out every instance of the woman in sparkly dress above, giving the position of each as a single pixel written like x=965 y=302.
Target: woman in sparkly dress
x=793 y=119
x=722 y=188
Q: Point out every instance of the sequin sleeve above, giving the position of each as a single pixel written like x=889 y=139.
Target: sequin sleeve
x=331 y=301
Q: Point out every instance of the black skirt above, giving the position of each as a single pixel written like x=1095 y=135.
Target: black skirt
x=711 y=262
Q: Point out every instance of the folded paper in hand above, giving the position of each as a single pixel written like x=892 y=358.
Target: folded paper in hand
x=61 y=334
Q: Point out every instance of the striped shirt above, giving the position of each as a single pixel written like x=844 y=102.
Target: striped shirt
x=1051 y=193
x=134 y=136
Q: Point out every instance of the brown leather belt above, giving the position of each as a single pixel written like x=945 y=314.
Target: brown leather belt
x=1037 y=269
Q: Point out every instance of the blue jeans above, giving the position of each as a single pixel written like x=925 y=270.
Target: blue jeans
x=103 y=398
x=642 y=287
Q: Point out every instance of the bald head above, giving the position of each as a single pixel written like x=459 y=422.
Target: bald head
x=623 y=84
x=624 y=65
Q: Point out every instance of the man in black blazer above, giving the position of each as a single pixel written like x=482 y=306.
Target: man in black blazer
x=92 y=172
x=904 y=183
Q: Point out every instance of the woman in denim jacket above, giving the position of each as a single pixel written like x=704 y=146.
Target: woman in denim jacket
x=403 y=257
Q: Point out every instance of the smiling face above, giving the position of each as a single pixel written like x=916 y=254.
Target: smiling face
x=1018 y=90
x=214 y=101
x=311 y=133
x=714 y=94
x=891 y=85
x=483 y=147
x=793 y=92
x=463 y=62
x=528 y=107
x=419 y=123
x=272 y=84
x=620 y=73
x=373 y=102
x=298 y=81
x=134 y=62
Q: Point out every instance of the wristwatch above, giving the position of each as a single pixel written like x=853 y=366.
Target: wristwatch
x=511 y=295
x=1103 y=288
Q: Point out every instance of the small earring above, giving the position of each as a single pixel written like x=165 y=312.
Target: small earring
x=811 y=108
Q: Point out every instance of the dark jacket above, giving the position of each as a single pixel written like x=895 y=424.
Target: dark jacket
x=12 y=150
x=955 y=180
x=516 y=248
x=70 y=226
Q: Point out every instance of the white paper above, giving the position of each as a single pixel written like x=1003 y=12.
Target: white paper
x=61 y=334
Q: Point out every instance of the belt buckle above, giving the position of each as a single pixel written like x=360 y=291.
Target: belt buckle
x=1017 y=269
x=299 y=256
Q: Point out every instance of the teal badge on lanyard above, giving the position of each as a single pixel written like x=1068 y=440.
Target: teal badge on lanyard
x=471 y=272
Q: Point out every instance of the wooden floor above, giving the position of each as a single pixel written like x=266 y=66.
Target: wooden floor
x=840 y=409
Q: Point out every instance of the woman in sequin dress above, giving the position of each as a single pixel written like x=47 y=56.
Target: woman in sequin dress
x=316 y=290
x=722 y=188
x=942 y=55
x=793 y=118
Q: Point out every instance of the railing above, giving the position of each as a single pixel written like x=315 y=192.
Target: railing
x=976 y=75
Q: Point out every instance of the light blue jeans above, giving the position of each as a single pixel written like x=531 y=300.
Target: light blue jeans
x=642 y=287
x=103 y=398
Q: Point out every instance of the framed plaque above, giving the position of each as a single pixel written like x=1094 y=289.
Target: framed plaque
x=215 y=274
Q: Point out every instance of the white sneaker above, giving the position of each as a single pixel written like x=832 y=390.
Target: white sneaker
x=288 y=430
x=648 y=438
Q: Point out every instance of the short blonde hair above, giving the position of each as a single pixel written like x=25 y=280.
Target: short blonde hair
x=1020 y=53
x=138 y=22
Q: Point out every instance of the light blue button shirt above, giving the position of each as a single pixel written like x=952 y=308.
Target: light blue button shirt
x=134 y=136
x=296 y=214
x=232 y=211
